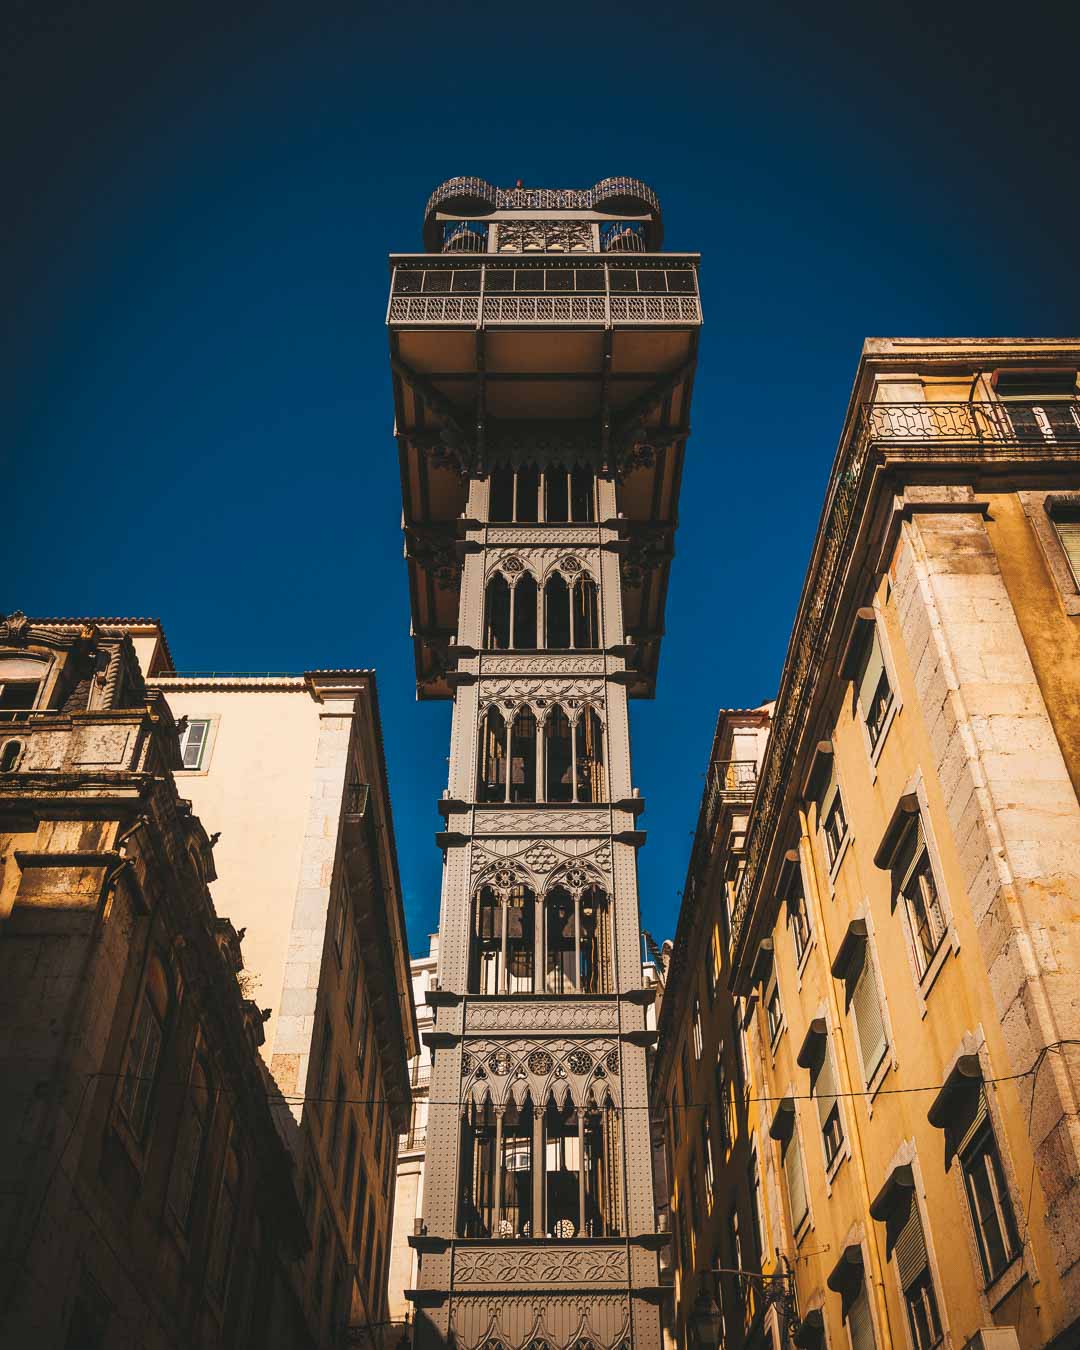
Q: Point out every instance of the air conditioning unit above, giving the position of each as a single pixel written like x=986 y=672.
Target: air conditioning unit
x=994 y=1338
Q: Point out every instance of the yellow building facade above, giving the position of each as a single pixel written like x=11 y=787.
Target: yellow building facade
x=906 y=924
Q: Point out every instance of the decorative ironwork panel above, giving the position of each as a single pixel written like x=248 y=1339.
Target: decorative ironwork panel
x=556 y=1014
x=507 y=1265
x=434 y=309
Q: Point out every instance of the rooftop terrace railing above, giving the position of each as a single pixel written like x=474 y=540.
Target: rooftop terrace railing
x=957 y=431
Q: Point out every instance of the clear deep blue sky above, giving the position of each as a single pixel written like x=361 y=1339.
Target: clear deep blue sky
x=197 y=416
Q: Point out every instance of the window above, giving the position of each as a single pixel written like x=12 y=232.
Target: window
x=352 y=983
x=362 y=1037
x=21 y=678
x=523 y=756
x=710 y=1171
x=987 y=1192
x=858 y=1319
x=872 y=688
x=577 y=942
x=716 y=968
x=144 y=1051
x=798 y=916
x=336 y=1122
x=834 y=823
x=221 y=1242
x=1065 y=515
x=503 y=941
x=676 y=1129
x=323 y=1067
x=914 y=883
x=193 y=743
x=340 y=918
x=785 y=1129
x=698 y=1037
x=524 y=610
x=320 y=1264
x=757 y=1214
x=774 y=1013
x=565 y=494
x=723 y=1098
x=823 y=1090
x=491 y=776
x=358 y=1207
x=497 y=613
x=913 y=1268
x=855 y=967
x=190 y=1143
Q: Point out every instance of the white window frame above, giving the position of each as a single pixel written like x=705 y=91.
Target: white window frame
x=203 y=761
x=1040 y=508
x=872 y=1081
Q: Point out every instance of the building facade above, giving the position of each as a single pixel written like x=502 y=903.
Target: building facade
x=542 y=351
x=906 y=925
x=148 y=1193
x=707 y=1082
x=289 y=771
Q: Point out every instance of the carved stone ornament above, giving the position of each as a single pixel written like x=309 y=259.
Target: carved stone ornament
x=499 y=1062
x=542 y=1015
x=612 y=1061
x=543 y=536
x=16 y=626
x=467 y=1063
x=545 y=236
x=580 y=1062
x=541 y=822
x=570 y=1322
x=540 y=1063
x=527 y=1265
x=542 y=665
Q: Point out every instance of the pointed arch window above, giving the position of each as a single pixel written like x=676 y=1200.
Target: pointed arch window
x=497 y=613
x=589 y=757
x=491 y=770
x=523 y=756
x=586 y=614
x=577 y=941
x=527 y=503
x=556 y=613
x=582 y=494
x=497 y=1157
x=525 y=605
x=558 y=757
x=503 y=941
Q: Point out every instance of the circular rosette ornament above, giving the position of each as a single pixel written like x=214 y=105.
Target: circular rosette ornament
x=499 y=1062
x=611 y=1059
x=467 y=1063
x=540 y=1063
x=580 y=1062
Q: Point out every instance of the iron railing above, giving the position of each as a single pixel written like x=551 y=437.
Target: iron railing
x=541 y=289
x=415 y=1138
x=542 y=199
x=967 y=431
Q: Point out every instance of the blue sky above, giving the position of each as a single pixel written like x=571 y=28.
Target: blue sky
x=200 y=200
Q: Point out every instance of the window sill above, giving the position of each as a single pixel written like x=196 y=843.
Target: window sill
x=999 y=1289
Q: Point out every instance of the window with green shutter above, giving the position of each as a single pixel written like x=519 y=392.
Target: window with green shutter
x=193 y=743
x=854 y=965
x=875 y=693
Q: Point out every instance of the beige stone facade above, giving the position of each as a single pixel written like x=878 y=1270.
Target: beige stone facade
x=148 y=1188
x=905 y=934
x=289 y=770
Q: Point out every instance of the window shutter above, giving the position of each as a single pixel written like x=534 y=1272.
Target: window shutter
x=910 y=1248
x=860 y=1323
x=825 y=1087
x=871 y=673
x=866 y=1005
x=908 y=854
x=1069 y=534
x=796 y=1183
x=970 y=1124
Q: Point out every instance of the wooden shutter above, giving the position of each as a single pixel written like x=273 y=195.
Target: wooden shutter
x=796 y=1182
x=859 y=1322
x=969 y=1123
x=1069 y=534
x=871 y=673
x=910 y=1248
x=866 y=1005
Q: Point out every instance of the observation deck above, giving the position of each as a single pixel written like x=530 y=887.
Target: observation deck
x=541 y=322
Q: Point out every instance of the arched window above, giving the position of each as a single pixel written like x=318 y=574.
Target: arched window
x=582 y=495
x=562 y=1166
x=556 y=613
x=525 y=605
x=600 y=1150
x=9 y=756
x=491 y=770
x=577 y=942
x=497 y=613
x=21 y=678
x=486 y=943
x=594 y=953
x=503 y=942
x=501 y=503
x=589 y=757
x=520 y=940
x=523 y=757
x=558 y=757
x=560 y=942
x=497 y=1171
x=221 y=1243
x=586 y=613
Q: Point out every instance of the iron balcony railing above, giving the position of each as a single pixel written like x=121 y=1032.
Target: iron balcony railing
x=987 y=430
x=420 y=1076
x=414 y=1139
x=599 y=291
x=727 y=780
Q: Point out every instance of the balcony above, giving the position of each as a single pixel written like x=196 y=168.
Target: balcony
x=981 y=426
x=597 y=293
x=416 y=1138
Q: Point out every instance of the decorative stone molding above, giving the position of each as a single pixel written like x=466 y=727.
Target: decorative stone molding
x=542 y=665
x=556 y=556
x=525 y=1015
x=539 y=859
x=546 y=537
x=527 y=1265
x=542 y=822
x=538 y=1069
x=561 y=1322
x=519 y=690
